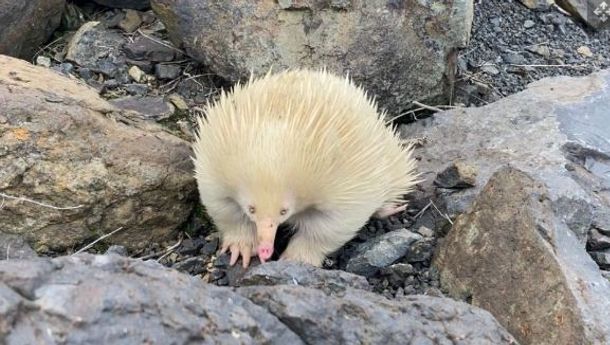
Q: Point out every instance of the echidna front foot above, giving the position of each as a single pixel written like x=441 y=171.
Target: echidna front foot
x=238 y=249
x=389 y=210
x=239 y=240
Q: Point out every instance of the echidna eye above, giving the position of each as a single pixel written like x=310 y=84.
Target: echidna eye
x=283 y=212
x=251 y=209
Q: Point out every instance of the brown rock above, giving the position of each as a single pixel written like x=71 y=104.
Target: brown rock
x=510 y=257
x=59 y=145
x=25 y=25
x=399 y=51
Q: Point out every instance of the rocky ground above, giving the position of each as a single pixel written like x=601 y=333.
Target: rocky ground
x=130 y=60
x=512 y=45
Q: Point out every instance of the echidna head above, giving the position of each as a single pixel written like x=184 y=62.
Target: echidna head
x=267 y=208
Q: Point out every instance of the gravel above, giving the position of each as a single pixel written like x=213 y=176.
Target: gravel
x=512 y=46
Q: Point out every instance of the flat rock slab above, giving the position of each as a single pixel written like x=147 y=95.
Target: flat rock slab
x=294 y=273
x=509 y=255
x=89 y=299
x=25 y=25
x=399 y=50
x=360 y=317
x=62 y=146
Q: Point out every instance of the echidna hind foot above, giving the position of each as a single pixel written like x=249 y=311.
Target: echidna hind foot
x=389 y=210
x=302 y=249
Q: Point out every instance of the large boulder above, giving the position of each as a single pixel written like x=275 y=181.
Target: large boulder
x=73 y=169
x=398 y=50
x=594 y=13
x=25 y=25
x=558 y=133
x=87 y=299
x=509 y=255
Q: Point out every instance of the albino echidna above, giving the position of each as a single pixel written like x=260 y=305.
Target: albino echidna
x=301 y=147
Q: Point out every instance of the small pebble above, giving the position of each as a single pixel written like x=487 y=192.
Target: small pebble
x=529 y=24
x=490 y=69
x=137 y=74
x=43 y=61
x=178 y=101
x=585 y=51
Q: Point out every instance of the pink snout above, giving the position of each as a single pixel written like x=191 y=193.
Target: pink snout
x=265 y=251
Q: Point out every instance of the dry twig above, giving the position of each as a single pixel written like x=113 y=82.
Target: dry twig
x=429 y=107
x=99 y=239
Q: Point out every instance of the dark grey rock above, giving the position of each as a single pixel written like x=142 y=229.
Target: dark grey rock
x=85 y=73
x=293 y=273
x=88 y=299
x=143 y=48
x=360 y=317
x=190 y=246
x=167 y=71
x=98 y=49
x=130 y=4
x=26 y=25
x=149 y=107
x=602 y=258
x=193 y=265
x=137 y=89
x=597 y=240
x=209 y=248
x=381 y=252
x=14 y=247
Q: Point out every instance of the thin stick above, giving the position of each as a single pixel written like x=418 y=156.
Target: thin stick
x=99 y=239
x=429 y=107
x=558 y=65
x=170 y=250
x=161 y=42
x=421 y=212
x=403 y=114
x=441 y=213
x=37 y=202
